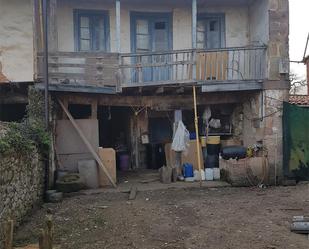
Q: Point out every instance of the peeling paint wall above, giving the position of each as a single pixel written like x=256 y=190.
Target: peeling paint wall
x=237 y=29
x=236 y=24
x=259 y=22
x=16 y=39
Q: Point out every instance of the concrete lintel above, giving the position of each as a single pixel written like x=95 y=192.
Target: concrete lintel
x=222 y=87
x=276 y=85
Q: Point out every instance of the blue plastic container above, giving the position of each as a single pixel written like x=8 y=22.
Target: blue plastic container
x=192 y=135
x=187 y=170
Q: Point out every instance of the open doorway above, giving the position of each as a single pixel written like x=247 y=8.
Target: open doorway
x=114 y=132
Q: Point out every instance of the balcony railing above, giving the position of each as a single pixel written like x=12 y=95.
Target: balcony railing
x=187 y=66
x=158 y=68
x=82 y=68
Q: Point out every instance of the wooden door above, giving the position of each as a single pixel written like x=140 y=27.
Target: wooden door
x=151 y=33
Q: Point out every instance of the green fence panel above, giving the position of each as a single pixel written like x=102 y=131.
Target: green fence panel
x=296 y=141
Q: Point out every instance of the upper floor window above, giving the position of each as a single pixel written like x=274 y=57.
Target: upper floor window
x=210 y=31
x=91 y=30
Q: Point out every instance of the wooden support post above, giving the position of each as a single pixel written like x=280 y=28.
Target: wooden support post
x=118 y=27
x=88 y=145
x=9 y=229
x=94 y=109
x=42 y=244
x=197 y=134
x=49 y=232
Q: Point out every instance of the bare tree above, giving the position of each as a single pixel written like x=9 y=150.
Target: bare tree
x=297 y=83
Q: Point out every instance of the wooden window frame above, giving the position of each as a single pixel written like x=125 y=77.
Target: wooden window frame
x=103 y=13
x=221 y=17
x=149 y=16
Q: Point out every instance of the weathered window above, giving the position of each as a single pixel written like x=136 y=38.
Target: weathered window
x=210 y=31
x=91 y=30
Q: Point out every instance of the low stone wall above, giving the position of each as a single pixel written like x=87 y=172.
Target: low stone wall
x=21 y=187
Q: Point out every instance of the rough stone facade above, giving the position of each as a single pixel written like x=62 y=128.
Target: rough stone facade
x=21 y=187
x=262 y=122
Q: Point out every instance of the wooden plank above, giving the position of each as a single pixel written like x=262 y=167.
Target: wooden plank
x=158 y=83
x=158 y=64
x=96 y=55
x=9 y=229
x=92 y=151
x=108 y=157
x=231 y=87
x=197 y=134
x=49 y=232
x=42 y=239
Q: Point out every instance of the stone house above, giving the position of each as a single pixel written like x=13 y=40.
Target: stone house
x=122 y=68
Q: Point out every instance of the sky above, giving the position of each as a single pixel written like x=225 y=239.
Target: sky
x=299 y=29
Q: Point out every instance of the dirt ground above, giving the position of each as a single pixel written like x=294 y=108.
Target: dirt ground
x=176 y=218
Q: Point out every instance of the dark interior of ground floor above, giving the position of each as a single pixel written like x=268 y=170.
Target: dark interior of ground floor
x=141 y=136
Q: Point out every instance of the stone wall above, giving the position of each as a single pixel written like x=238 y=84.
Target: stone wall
x=262 y=123
x=21 y=187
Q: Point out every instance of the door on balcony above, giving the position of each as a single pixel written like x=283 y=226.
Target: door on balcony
x=211 y=65
x=151 y=33
x=210 y=31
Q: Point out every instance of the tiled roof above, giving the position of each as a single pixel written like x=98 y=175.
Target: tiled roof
x=299 y=99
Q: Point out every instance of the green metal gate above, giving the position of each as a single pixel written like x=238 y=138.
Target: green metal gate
x=296 y=141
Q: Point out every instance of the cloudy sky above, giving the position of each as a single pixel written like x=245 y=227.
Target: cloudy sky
x=299 y=28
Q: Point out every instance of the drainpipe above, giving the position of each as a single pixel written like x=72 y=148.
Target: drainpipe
x=45 y=73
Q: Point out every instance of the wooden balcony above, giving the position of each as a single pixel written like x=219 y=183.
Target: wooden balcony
x=229 y=68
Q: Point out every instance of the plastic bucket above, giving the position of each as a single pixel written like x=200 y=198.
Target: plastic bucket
x=212 y=161
x=203 y=141
x=124 y=162
x=213 y=149
x=216 y=174
x=188 y=170
x=213 y=140
x=209 y=174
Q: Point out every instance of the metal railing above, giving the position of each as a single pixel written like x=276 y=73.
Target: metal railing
x=185 y=66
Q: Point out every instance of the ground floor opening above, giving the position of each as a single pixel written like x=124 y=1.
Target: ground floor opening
x=136 y=133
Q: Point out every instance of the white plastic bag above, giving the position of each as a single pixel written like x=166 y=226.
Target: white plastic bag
x=181 y=138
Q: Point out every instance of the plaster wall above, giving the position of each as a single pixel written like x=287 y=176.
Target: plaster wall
x=237 y=29
x=259 y=22
x=16 y=39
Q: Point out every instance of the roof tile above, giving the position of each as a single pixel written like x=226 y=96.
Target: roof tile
x=299 y=100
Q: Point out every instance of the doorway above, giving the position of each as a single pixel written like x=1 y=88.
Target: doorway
x=211 y=31
x=152 y=32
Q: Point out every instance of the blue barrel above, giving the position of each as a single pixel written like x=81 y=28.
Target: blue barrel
x=187 y=170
